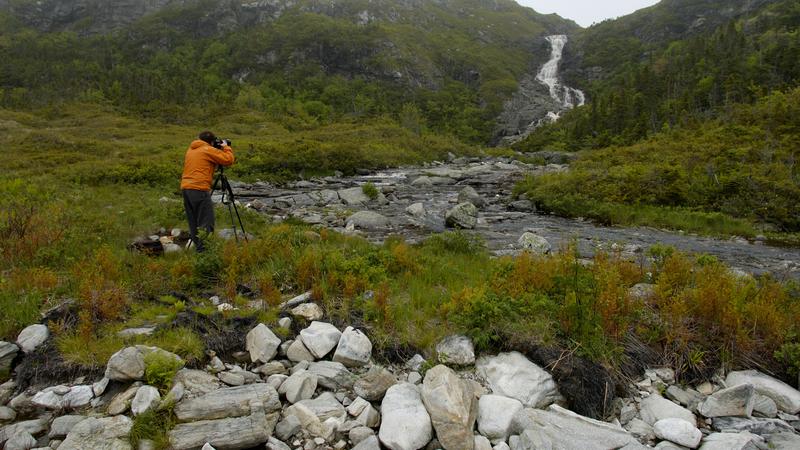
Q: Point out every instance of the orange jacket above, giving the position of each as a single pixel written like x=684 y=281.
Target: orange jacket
x=200 y=163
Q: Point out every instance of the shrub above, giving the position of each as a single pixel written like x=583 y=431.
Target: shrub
x=160 y=369
x=153 y=425
x=370 y=190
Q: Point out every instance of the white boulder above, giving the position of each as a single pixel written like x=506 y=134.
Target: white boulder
x=354 y=349
x=32 y=337
x=320 y=338
x=513 y=375
x=678 y=431
x=262 y=344
x=406 y=424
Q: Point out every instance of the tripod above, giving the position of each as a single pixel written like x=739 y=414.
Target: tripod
x=221 y=183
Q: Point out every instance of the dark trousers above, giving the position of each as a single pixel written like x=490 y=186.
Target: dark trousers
x=200 y=212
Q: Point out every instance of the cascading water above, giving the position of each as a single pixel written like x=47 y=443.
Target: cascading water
x=565 y=96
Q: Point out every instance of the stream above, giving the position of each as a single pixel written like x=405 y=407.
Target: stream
x=502 y=219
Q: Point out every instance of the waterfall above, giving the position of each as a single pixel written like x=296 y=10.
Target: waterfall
x=565 y=96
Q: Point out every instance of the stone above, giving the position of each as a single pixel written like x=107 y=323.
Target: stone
x=559 y=428
x=274 y=444
x=32 y=337
x=759 y=426
x=786 y=397
x=481 y=443
x=667 y=445
x=326 y=407
x=7 y=390
x=7 y=414
x=368 y=220
x=495 y=413
x=197 y=382
x=522 y=206
x=285 y=323
x=300 y=386
x=99 y=387
x=48 y=399
x=32 y=427
x=416 y=210
x=451 y=404
x=783 y=441
x=678 y=431
x=146 y=398
x=423 y=181
x=534 y=243
x=360 y=433
x=733 y=401
x=332 y=375
x=730 y=441
x=228 y=402
x=287 y=428
x=369 y=417
x=368 y=443
x=514 y=376
x=79 y=397
x=373 y=385
x=686 y=397
x=415 y=363
x=406 y=424
x=309 y=421
x=271 y=368
x=308 y=311
x=764 y=406
x=63 y=425
x=470 y=195
x=320 y=338
x=414 y=378
x=463 y=215
x=640 y=429
x=126 y=365
x=354 y=196
x=655 y=407
x=357 y=406
x=229 y=433
x=109 y=433
x=457 y=350
x=354 y=348
x=122 y=401
x=21 y=441
x=262 y=344
x=231 y=378
x=501 y=446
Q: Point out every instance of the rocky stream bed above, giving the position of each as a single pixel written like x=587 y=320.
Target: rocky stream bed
x=413 y=202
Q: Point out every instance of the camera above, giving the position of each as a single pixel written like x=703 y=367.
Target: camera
x=219 y=143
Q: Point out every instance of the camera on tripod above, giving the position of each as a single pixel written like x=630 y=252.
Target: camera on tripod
x=219 y=143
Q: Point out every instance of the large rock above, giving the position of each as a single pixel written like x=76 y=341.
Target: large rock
x=326 y=407
x=122 y=401
x=786 y=397
x=731 y=441
x=470 y=195
x=79 y=396
x=197 y=382
x=416 y=210
x=534 y=243
x=784 y=441
x=456 y=349
x=299 y=386
x=734 y=401
x=32 y=427
x=32 y=337
x=513 y=375
x=406 y=424
x=368 y=220
x=558 y=428
x=309 y=421
x=373 y=385
x=320 y=338
x=450 y=402
x=354 y=348
x=495 y=413
x=764 y=406
x=678 y=431
x=297 y=352
x=128 y=363
x=21 y=441
x=370 y=443
x=228 y=402
x=755 y=425
x=463 y=215
x=110 y=433
x=354 y=196
x=146 y=398
x=332 y=375
x=8 y=352
x=225 y=434
x=308 y=311
x=63 y=425
x=262 y=344
x=655 y=407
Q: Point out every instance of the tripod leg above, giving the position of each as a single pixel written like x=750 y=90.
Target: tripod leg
x=236 y=209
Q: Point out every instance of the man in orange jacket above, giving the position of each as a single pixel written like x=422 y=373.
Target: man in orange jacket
x=202 y=159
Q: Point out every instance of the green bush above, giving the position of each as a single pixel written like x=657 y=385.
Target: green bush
x=160 y=369
x=370 y=190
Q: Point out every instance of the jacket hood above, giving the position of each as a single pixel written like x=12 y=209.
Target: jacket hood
x=197 y=143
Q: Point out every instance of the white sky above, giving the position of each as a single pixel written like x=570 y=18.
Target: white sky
x=586 y=12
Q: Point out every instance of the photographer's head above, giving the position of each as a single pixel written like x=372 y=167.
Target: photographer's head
x=207 y=137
